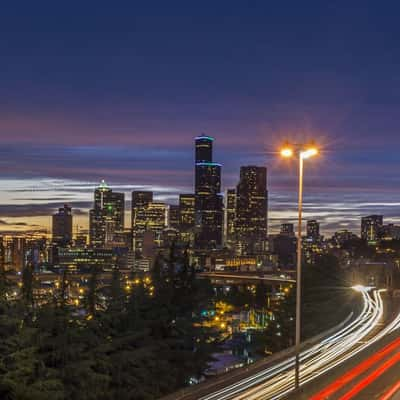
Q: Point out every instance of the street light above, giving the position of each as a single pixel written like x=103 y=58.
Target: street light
x=302 y=152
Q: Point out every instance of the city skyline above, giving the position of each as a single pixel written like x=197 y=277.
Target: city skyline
x=199 y=200
x=47 y=195
x=123 y=104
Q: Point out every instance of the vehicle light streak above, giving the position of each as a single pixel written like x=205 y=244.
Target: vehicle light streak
x=321 y=362
x=371 y=377
x=394 y=325
x=358 y=370
x=391 y=392
x=276 y=381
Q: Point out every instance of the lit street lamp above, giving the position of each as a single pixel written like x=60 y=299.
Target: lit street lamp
x=302 y=152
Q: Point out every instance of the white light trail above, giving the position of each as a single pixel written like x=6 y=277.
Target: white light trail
x=277 y=381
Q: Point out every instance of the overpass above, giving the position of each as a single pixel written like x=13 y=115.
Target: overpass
x=71 y=276
x=107 y=276
x=252 y=277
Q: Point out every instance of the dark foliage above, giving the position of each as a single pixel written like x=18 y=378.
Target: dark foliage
x=144 y=345
x=324 y=286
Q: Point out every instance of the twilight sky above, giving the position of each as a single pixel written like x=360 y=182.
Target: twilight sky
x=92 y=90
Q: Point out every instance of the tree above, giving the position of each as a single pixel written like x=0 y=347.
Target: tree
x=158 y=346
x=140 y=349
x=116 y=296
x=281 y=327
x=92 y=296
x=63 y=290
x=261 y=295
x=3 y=282
x=27 y=285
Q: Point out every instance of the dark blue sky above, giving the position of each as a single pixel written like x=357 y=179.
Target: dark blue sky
x=92 y=90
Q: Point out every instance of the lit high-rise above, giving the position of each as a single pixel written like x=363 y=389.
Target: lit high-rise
x=251 y=210
x=156 y=218
x=229 y=217
x=187 y=217
x=140 y=201
x=107 y=215
x=287 y=229
x=173 y=216
x=2 y=255
x=313 y=230
x=371 y=227
x=208 y=200
x=62 y=226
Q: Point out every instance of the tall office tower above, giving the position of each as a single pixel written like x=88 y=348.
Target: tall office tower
x=2 y=254
x=156 y=220
x=203 y=148
x=8 y=250
x=229 y=217
x=371 y=227
x=187 y=217
x=150 y=221
x=287 y=230
x=313 y=229
x=62 y=226
x=140 y=200
x=18 y=253
x=251 y=210
x=208 y=200
x=173 y=217
x=391 y=232
x=107 y=216
x=341 y=237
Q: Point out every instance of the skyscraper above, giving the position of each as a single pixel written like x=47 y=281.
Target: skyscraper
x=341 y=237
x=203 y=148
x=371 y=227
x=107 y=215
x=140 y=200
x=18 y=253
x=187 y=217
x=187 y=211
x=2 y=254
x=149 y=223
x=313 y=230
x=229 y=219
x=156 y=219
x=287 y=229
x=173 y=217
x=62 y=226
x=208 y=200
x=251 y=210
x=390 y=232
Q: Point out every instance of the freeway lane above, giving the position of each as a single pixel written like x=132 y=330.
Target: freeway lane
x=362 y=389
x=362 y=381
x=322 y=362
x=393 y=392
x=277 y=381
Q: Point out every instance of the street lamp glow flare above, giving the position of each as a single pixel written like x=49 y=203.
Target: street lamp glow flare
x=309 y=153
x=287 y=152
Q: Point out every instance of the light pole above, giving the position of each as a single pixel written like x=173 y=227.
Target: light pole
x=301 y=152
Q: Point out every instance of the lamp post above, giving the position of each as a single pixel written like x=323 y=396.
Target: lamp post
x=302 y=153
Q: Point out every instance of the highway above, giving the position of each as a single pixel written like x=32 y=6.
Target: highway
x=375 y=376
x=277 y=381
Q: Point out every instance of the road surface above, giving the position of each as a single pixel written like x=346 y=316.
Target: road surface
x=276 y=381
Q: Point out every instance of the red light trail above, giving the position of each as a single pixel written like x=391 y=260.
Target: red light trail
x=393 y=390
x=372 y=377
x=356 y=371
